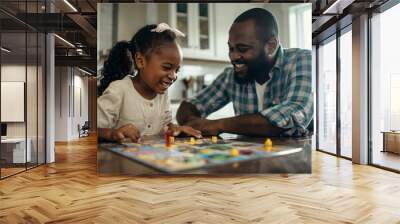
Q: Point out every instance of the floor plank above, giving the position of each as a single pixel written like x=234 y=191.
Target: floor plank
x=69 y=191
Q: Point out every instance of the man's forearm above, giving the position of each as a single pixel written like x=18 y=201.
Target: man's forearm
x=253 y=124
x=186 y=112
x=104 y=134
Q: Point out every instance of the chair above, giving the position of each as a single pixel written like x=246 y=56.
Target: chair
x=84 y=130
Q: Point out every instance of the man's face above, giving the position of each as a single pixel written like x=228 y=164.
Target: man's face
x=246 y=51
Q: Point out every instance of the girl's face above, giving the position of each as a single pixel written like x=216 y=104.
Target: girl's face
x=159 y=69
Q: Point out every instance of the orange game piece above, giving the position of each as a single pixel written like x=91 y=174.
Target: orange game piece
x=168 y=135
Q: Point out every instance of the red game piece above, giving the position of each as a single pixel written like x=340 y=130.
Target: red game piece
x=168 y=134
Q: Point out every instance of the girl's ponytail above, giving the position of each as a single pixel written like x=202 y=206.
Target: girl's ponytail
x=118 y=64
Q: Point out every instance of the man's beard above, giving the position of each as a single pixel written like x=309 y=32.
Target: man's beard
x=254 y=68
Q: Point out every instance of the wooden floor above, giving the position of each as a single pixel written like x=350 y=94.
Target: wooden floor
x=70 y=191
x=10 y=171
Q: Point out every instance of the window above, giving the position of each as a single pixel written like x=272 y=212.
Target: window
x=314 y=91
x=300 y=26
x=346 y=94
x=327 y=96
x=22 y=66
x=385 y=84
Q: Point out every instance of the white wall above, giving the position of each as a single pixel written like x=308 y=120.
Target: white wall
x=127 y=25
x=67 y=115
x=80 y=103
x=61 y=103
x=33 y=127
x=105 y=22
x=15 y=72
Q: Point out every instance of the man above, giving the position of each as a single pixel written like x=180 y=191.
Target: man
x=270 y=87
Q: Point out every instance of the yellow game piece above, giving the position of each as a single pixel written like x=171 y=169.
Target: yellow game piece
x=172 y=139
x=192 y=141
x=234 y=152
x=214 y=139
x=267 y=148
x=268 y=142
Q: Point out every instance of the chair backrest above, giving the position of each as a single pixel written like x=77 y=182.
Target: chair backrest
x=310 y=127
x=86 y=125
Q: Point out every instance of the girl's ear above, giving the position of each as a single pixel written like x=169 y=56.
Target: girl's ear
x=139 y=60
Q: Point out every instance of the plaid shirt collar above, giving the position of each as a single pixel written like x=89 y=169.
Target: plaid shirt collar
x=279 y=59
x=278 y=62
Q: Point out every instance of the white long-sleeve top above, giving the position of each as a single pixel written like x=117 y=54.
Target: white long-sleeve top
x=122 y=104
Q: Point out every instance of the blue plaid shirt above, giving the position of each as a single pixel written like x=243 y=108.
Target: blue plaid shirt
x=288 y=99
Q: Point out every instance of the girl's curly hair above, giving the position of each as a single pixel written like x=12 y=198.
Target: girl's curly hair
x=121 y=61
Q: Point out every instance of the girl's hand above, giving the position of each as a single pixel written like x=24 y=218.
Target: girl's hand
x=188 y=131
x=126 y=132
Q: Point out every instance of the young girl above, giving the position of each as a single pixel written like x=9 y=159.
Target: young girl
x=136 y=106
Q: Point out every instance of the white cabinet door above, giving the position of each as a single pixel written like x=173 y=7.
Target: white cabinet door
x=223 y=23
x=196 y=20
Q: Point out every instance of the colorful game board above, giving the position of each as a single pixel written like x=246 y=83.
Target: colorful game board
x=184 y=155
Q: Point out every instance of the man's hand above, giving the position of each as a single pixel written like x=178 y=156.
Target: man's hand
x=189 y=131
x=125 y=132
x=186 y=112
x=207 y=127
x=186 y=130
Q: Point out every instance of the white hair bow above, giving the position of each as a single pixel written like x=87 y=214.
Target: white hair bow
x=163 y=26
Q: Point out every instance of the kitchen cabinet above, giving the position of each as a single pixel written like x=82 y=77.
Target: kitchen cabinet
x=206 y=27
x=196 y=20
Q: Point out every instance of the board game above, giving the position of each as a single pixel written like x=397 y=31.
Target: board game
x=189 y=154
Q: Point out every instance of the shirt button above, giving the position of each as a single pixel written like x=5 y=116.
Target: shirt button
x=151 y=104
x=149 y=126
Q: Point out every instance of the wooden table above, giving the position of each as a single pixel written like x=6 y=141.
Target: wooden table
x=391 y=141
x=295 y=158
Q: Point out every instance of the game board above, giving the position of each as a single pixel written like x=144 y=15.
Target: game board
x=184 y=156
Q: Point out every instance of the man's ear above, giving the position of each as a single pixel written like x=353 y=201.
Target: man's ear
x=139 y=60
x=271 y=46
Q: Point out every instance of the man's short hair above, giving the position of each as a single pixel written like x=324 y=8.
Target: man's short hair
x=265 y=22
